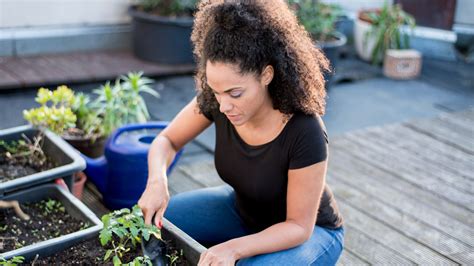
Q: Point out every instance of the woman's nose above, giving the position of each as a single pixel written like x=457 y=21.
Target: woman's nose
x=225 y=106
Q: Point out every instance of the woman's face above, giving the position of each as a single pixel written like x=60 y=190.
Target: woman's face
x=240 y=96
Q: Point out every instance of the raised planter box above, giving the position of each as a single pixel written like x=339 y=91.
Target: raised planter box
x=73 y=206
x=191 y=248
x=68 y=160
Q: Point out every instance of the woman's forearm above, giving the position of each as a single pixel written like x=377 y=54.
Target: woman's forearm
x=277 y=237
x=160 y=157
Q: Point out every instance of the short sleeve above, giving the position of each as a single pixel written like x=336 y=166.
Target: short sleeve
x=309 y=144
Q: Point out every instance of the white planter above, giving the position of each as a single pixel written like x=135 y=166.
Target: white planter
x=360 y=30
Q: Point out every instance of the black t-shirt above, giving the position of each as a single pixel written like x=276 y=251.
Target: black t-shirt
x=259 y=174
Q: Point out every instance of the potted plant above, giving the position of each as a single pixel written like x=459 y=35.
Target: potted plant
x=125 y=239
x=161 y=30
x=377 y=30
x=86 y=124
x=319 y=19
x=53 y=219
x=30 y=156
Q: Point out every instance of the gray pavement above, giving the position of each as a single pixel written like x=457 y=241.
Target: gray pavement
x=362 y=98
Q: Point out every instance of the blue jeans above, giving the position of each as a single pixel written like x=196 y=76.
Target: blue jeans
x=210 y=217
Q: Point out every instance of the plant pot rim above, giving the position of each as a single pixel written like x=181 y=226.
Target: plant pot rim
x=153 y=18
x=362 y=14
x=341 y=40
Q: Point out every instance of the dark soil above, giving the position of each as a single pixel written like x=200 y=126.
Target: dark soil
x=10 y=171
x=91 y=252
x=48 y=219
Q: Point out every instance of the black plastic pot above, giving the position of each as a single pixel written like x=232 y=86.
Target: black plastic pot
x=332 y=51
x=191 y=248
x=161 y=39
x=67 y=159
x=73 y=206
x=86 y=146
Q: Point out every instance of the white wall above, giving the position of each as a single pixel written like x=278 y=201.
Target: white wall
x=29 y=13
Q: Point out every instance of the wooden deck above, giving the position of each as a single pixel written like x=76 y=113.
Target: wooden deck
x=405 y=190
x=44 y=70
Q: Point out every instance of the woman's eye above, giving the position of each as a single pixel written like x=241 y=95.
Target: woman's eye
x=235 y=94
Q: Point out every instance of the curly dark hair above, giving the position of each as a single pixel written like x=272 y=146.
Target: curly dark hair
x=253 y=34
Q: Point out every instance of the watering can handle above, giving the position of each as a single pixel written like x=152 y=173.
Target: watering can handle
x=147 y=125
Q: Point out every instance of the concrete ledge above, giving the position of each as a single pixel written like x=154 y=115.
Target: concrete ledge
x=52 y=40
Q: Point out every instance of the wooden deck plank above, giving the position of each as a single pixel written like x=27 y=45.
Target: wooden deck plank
x=8 y=80
x=432 y=150
x=445 y=135
x=463 y=120
x=370 y=249
x=349 y=258
x=411 y=162
x=376 y=157
x=358 y=169
x=179 y=182
x=203 y=172
x=404 y=249
x=23 y=70
x=392 y=211
x=396 y=190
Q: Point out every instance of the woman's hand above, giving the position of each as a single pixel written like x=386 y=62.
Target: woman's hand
x=222 y=254
x=154 y=201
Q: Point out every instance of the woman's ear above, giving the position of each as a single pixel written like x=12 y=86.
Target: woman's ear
x=267 y=75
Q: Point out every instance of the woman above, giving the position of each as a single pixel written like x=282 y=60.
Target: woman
x=260 y=81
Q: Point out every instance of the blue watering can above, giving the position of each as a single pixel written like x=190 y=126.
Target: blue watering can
x=121 y=174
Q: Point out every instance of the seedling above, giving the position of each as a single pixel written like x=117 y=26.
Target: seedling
x=11 y=262
x=123 y=230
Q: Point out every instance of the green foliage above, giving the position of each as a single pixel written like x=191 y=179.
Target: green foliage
x=318 y=18
x=116 y=105
x=122 y=103
x=50 y=206
x=123 y=230
x=11 y=262
x=168 y=7
x=58 y=115
x=25 y=151
x=385 y=28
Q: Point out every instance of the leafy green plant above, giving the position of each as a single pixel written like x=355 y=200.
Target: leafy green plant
x=122 y=103
x=168 y=7
x=12 y=262
x=55 y=112
x=318 y=18
x=385 y=28
x=123 y=230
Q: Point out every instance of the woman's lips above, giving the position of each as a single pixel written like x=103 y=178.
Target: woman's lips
x=233 y=117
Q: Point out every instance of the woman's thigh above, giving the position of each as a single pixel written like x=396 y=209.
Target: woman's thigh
x=323 y=248
x=208 y=215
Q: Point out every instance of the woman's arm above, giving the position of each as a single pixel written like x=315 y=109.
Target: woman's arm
x=187 y=124
x=305 y=187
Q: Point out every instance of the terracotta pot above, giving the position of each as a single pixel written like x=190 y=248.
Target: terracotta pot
x=79 y=181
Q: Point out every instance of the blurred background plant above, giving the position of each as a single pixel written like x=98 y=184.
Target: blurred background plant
x=318 y=18
x=122 y=103
x=386 y=24
x=55 y=111
x=171 y=8
x=67 y=113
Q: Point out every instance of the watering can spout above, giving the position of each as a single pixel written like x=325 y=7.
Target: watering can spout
x=97 y=171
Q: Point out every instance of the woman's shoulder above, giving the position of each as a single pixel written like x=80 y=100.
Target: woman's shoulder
x=308 y=125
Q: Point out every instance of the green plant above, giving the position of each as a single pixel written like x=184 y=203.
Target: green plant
x=385 y=28
x=122 y=103
x=168 y=7
x=55 y=112
x=11 y=262
x=25 y=151
x=318 y=18
x=123 y=230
